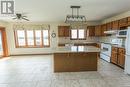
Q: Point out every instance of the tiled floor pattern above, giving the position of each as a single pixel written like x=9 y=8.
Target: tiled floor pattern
x=37 y=71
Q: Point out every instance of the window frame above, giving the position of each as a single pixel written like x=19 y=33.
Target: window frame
x=34 y=36
x=78 y=34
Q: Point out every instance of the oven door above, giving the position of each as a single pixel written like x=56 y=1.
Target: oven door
x=105 y=57
x=106 y=49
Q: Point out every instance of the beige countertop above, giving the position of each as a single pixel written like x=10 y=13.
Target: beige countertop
x=69 y=49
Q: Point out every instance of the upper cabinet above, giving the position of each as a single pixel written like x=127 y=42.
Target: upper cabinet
x=98 y=30
x=109 y=26
x=128 y=21
x=91 y=31
x=103 y=28
x=115 y=25
x=63 y=31
x=123 y=22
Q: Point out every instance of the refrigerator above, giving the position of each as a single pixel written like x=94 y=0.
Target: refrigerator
x=127 y=46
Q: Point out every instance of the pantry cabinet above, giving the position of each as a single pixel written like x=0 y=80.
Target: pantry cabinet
x=90 y=31
x=63 y=31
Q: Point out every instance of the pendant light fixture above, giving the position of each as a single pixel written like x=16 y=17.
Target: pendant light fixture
x=75 y=17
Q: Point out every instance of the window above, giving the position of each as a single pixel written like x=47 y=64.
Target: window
x=32 y=38
x=45 y=37
x=21 y=37
x=78 y=34
x=38 y=37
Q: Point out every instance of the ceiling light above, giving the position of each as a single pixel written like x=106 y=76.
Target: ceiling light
x=75 y=18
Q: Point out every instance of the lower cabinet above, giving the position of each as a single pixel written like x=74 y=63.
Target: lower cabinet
x=114 y=57
x=118 y=56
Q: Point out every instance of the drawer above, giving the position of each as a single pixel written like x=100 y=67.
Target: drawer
x=115 y=49
x=121 y=51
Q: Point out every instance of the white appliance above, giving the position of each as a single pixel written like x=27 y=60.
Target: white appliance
x=127 y=59
x=111 y=32
x=122 y=33
x=106 y=52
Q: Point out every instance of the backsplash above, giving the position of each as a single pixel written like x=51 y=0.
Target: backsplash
x=113 y=39
x=67 y=40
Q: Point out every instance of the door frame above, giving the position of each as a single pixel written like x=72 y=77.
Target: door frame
x=4 y=42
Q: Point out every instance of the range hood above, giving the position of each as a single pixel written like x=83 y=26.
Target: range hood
x=111 y=32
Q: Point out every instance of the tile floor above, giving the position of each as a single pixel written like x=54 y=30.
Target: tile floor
x=37 y=71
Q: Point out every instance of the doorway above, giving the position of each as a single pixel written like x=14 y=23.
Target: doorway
x=3 y=43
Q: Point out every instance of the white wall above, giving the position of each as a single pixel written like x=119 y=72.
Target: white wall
x=17 y=51
x=117 y=17
x=14 y=51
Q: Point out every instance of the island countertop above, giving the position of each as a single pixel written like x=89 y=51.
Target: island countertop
x=71 y=49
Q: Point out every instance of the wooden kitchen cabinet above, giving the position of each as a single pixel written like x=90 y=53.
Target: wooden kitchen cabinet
x=115 y=25
x=128 y=21
x=103 y=28
x=114 y=55
x=118 y=56
x=90 y=31
x=121 y=57
x=63 y=31
x=98 y=30
x=109 y=26
x=123 y=22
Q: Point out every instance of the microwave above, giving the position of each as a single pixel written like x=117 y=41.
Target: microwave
x=122 y=33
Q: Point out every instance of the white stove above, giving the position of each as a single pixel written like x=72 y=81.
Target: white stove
x=106 y=52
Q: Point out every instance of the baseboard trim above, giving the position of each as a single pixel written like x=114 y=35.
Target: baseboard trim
x=30 y=54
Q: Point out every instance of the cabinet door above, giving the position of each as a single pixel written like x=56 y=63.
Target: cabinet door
x=121 y=60
x=104 y=28
x=128 y=21
x=114 y=57
x=123 y=22
x=63 y=31
x=121 y=57
x=91 y=31
x=109 y=26
x=60 y=31
x=98 y=30
x=66 y=31
x=115 y=25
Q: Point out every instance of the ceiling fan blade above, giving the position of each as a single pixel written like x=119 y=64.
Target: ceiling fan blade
x=25 y=19
x=24 y=16
x=14 y=18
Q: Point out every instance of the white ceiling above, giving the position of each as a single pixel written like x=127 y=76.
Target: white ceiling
x=56 y=10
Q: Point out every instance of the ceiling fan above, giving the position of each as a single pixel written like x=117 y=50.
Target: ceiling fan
x=19 y=16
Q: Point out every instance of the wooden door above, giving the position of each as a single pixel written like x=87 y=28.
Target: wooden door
x=4 y=42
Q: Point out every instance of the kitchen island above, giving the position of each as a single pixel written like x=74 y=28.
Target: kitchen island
x=75 y=58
